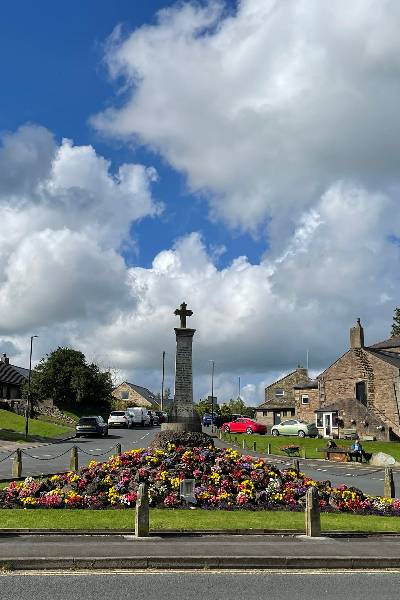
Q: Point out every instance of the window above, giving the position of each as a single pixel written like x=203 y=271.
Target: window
x=279 y=392
x=305 y=399
x=319 y=421
x=125 y=395
x=292 y=413
x=265 y=413
x=284 y=413
x=361 y=392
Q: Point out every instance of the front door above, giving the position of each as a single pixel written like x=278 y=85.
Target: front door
x=277 y=418
x=327 y=425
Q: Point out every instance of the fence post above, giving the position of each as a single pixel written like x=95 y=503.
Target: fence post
x=243 y=443
x=296 y=466
x=304 y=453
x=388 y=485
x=312 y=514
x=142 y=511
x=17 y=464
x=220 y=434
x=268 y=448
x=254 y=446
x=118 y=449
x=73 y=462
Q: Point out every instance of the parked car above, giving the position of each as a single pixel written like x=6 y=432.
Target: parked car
x=162 y=416
x=93 y=425
x=295 y=427
x=119 y=418
x=206 y=420
x=244 y=425
x=154 y=420
x=138 y=415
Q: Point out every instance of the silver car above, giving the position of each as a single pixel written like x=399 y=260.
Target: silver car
x=119 y=418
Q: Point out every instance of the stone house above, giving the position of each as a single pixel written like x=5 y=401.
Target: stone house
x=135 y=395
x=12 y=379
x=280 y=398
x=360 y=391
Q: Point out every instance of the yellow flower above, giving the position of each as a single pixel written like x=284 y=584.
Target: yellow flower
x=175 y=482
x=29 y=501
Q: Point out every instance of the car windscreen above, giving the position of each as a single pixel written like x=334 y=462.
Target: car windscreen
x=118 y=413
x=87 y=421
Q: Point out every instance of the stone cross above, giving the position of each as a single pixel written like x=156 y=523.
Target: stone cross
x=142 y=511
x=183 y=313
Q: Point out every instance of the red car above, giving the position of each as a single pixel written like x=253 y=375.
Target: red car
x=244 y=425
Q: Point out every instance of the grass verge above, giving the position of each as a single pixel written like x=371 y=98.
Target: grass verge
x=12 y=428
x=189 y=520
x=310 y=445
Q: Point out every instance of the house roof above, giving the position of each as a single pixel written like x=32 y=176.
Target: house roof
x=393 y=342
x=281 y=379
x=12 y=375
x=331 y=408
x=393 y=358
x=144 y=392
x=276 y=403
x=306 y=385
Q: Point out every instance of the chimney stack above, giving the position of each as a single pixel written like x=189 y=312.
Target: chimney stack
x=5 y=359
x=357 y=335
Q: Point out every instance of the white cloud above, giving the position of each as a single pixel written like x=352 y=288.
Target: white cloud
x=65 y=216
x=266 y=108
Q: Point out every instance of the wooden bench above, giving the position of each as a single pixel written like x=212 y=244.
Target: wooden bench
x=340 y=454
x=348 y=434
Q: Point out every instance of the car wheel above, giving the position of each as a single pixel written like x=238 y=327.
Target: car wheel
x=227 y=429
x=249 y=430
x=275 y=432
x=301 y=433
x=77 y=435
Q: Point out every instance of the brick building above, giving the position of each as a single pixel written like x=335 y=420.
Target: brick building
x=360 y=390
x=136 y=395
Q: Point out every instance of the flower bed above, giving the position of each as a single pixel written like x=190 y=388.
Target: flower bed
x=224 y=478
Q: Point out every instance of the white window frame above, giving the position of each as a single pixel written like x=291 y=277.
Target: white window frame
x=303 y=397
x=279 y=392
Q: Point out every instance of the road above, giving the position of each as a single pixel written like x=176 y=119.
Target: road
x=199 y=585
x=89 y=449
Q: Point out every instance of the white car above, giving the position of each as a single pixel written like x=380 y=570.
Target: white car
x=119 y=418
x=138 y=415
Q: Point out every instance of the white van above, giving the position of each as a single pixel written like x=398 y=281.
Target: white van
x=139 y=415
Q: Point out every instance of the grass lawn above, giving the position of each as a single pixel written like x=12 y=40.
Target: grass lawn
x=12 y=428
x=187 y=520
x=309 y=444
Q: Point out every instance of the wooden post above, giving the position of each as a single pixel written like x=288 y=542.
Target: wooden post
x=304 y=453
x=118 y=449
x=243 y=443
x=142 y=511
x=254 y=446
x=73 y=462
x=268 y=448
x=388 y=486
x=220 y=434
x=312 y=514
x=296 y=466
x=17 y=464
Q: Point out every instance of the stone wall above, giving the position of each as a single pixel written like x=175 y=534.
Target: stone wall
x=306 y=412
x=286 y=384
x=338 y=382
x=266 y=415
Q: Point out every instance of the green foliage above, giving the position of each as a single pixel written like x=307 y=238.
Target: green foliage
x=205 y=407
x=238 y=407
x=190 y=439
x=65 y=376
x=396 y=322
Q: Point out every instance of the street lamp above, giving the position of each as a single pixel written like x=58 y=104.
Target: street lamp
x=28 y=398
x=162 y=381
x=212 y=393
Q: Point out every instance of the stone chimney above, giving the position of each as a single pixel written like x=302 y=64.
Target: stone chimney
x=5 y=359
x=302 y=373
x=357 y=336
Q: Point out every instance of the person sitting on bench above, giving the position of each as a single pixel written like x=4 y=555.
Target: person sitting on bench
x=357 y=451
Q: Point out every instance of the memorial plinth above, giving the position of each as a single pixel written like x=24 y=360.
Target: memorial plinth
x=183 y=416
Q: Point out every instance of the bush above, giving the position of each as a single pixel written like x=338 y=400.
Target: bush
x=186 y=439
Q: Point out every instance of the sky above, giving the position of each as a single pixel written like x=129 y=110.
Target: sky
x=242 y=156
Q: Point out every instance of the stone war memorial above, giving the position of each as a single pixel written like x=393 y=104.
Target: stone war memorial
x=183 y=416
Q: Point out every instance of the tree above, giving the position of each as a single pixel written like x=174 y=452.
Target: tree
x=205 y=407
x=396 y=322
x=65 y=376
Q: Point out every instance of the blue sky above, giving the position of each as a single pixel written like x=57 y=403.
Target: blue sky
x=273 y=128
x=56 y=78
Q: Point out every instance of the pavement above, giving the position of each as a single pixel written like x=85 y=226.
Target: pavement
x=161 y=551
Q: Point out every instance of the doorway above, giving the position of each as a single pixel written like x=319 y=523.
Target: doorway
x=327 y=424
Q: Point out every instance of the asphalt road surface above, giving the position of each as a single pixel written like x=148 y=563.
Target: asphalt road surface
x=180 y=585
x=93 y=448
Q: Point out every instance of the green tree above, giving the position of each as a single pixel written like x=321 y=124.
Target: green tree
x=396 y=322
x=205 y=407
x=65 y=376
